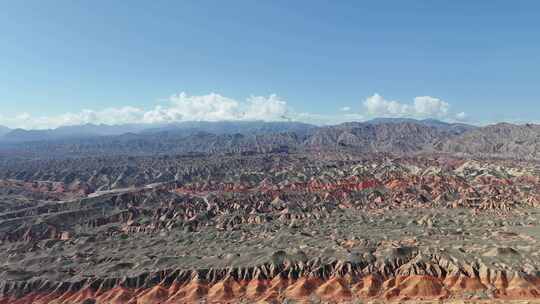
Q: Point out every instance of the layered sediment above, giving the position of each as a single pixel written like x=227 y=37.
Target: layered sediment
x=405 y=274
x=290 y=229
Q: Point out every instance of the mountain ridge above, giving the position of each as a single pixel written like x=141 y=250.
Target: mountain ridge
x=188 y=127
x=400 y=137
x=4 y=130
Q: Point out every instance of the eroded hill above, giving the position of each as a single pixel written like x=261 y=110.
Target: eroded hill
x=269 y=228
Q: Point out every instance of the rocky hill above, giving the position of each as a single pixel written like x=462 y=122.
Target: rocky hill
x=373 y=211
x=500 y=140
x=273 y=228
x=399 y=137
x=249 y=137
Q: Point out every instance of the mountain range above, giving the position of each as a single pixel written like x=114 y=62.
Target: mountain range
x=4 y=130
x=391 y=135
x=181 y=128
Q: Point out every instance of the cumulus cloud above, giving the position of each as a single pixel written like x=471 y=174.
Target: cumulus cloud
x=376 y=105
x=266 y=108
x=122 y=115
x=461 y=116
x=430 y=106
x=215 y=107
x=180 y=107
x=206 y=107
x=421 y=107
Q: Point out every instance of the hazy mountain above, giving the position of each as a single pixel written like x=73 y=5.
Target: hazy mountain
x=78 y=131
x=502 y=139
x=247 y=137
x=4 y=130
x=395 y=137
x=398 y=136
x=232 y=127
x=177 y=129
x=456 y=128
x=385 y=120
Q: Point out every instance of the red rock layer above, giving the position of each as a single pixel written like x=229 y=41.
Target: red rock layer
x=334 y=283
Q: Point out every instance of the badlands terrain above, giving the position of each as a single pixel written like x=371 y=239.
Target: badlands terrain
x=272 y=213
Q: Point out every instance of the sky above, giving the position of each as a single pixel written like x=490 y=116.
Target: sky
x=74 y=62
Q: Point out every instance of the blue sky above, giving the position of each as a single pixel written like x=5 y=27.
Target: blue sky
x=65 y=62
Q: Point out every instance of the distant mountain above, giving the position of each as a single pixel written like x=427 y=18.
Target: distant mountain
x=67 y=132
x=456 y=128
x=501 y=140
x=408 y=136
x=396 y=136
x=4 y=130
x=177 y=129
x=100 y=129
x=248 y=137
x=386 y=120
x=231 y=127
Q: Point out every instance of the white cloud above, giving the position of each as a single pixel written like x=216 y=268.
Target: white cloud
x=215 y=107
x=162 y=115
x=121 y=115
x=421 y=107
x=180 y=107
x=461 y=116
x=376 y=105
x=206 y=107
x=266 y=108
x=430 y=106
x=23 y=116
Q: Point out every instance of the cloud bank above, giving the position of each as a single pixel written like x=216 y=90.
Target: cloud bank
x=421 y=107
x=215 y=107
x=181 y=107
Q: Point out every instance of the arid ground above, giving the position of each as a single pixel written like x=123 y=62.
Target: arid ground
x=305 y=226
